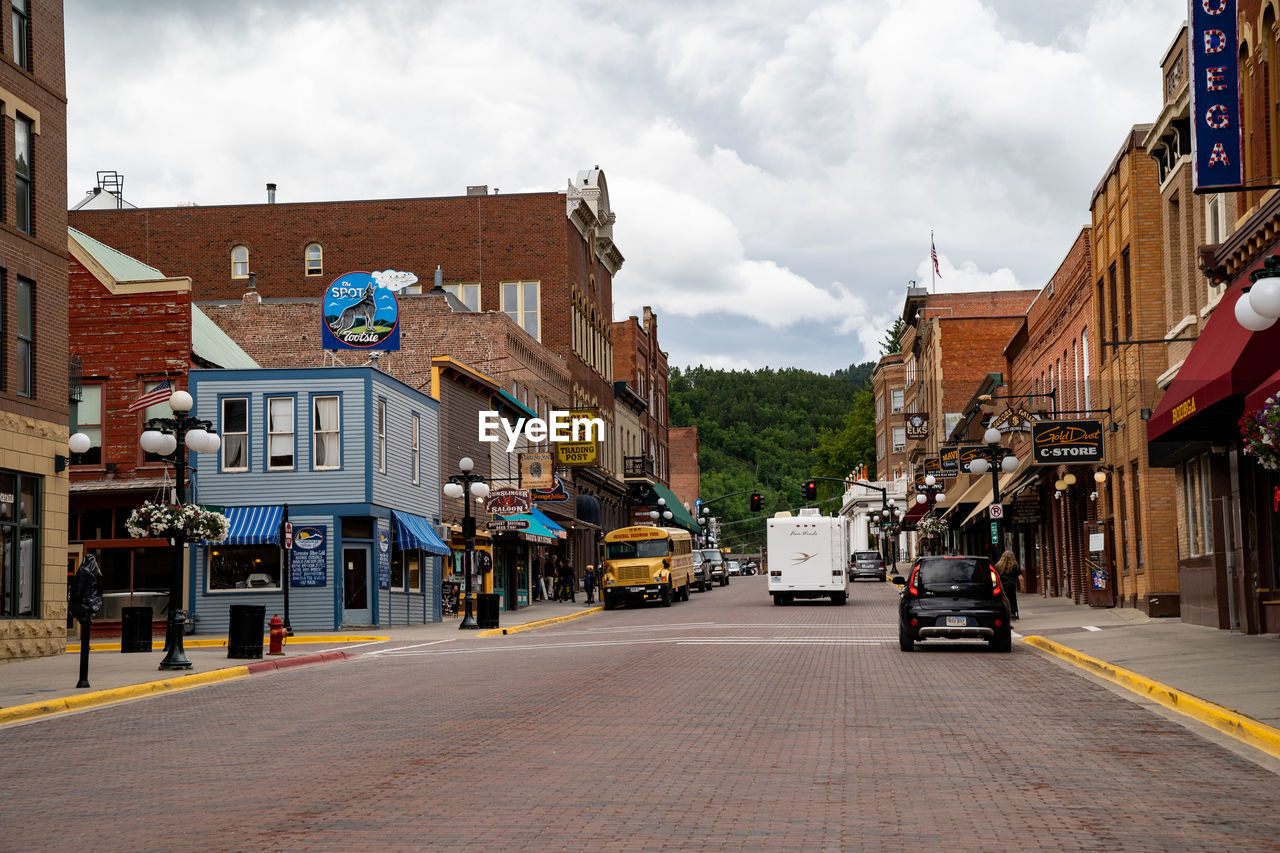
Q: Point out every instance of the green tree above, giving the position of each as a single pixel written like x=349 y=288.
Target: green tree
x=892 y=339
x=853 y=445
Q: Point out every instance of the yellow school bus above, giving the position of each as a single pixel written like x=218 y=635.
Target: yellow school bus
x=646 y=564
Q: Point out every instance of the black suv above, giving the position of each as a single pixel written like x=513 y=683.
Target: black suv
x=719 y=571
x=953 y=598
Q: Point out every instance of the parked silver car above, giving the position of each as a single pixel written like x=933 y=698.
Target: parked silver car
x=866 y=564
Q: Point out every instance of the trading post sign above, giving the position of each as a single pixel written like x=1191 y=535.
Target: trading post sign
x=1072 y=442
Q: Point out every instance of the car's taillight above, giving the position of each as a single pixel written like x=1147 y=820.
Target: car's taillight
x=995 y=583
x=911 y=587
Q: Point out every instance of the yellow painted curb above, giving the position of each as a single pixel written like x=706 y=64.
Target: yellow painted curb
x=541 y=623
x=1245 y=729
x=74 y=648
x=79 y=701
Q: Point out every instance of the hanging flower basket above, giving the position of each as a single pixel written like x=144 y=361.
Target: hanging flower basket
x=164 y=521
x=1260 y=430
x=931 y=526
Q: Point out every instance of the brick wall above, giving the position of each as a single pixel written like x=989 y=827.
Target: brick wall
x=685 y=472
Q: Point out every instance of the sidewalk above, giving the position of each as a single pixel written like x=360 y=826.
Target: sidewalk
x=44 y=686
x=1235 y=676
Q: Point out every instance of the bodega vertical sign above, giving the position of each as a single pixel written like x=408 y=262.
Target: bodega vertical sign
x=1215 y=97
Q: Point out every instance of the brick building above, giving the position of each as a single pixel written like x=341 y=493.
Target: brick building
x=130 y=327
x=1227 y=504
x=1050 y=368
x=950 y=344
x=887 y=385
x=33 y=290
x=686 y=473
x=1129 y=307
x=536 y=270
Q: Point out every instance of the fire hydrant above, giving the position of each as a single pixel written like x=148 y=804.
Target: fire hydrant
x=277 y=635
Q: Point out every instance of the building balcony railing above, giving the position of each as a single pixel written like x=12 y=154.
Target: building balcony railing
x=637 y=468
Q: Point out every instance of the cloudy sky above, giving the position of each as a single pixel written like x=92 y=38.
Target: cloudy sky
x=776 y=167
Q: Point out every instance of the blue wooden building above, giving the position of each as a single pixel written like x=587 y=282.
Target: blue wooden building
x=349 y=457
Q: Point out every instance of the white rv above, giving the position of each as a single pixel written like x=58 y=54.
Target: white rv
x=808 y=557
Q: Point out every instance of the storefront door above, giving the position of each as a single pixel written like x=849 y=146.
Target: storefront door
x=356 y=607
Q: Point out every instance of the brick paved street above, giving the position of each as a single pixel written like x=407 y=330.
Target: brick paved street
x=721 y=723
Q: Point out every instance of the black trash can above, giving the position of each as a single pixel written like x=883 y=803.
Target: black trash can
x=135 y=629
x=244 y=637
x=487 y=610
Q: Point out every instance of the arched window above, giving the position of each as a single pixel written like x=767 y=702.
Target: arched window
x=1084 y=347
x=240 y=262
x=315 y=259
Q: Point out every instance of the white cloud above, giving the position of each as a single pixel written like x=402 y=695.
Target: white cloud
x=778 y=161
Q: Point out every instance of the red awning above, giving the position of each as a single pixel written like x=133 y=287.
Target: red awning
x=1226 y=361
x=913 y=515
x=1269 y=388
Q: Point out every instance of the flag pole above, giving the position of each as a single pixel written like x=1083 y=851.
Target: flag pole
x=932 y=267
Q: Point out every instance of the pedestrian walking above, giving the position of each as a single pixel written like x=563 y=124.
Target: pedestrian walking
x=539 y=591
x=1009 y=571
x=589 y=583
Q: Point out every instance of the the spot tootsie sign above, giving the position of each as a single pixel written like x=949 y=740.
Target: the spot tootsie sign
x=361 y=311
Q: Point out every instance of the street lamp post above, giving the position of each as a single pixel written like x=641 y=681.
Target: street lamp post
x=931 y=493
x=171 y=438
x=890 y=518
x=459 y=486
x=994 y=458
x=662 y=512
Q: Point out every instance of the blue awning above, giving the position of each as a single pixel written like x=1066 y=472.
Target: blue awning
x=556 y=530
x=254 y=525
x=414 y=531
x=541 y=529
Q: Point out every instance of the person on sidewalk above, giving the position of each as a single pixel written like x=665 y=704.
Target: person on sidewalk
x=539 y=591
x=589 y=583
x=1009 y=571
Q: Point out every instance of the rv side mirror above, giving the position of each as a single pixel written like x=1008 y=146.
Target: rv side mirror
x=899 y=580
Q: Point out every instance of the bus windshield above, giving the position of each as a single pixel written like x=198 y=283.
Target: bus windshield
x=638 y=549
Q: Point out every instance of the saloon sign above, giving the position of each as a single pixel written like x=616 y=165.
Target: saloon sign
x=360 y=311
x=1056 y=442
x=508 y=501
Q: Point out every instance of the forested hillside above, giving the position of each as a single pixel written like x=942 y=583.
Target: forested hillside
x=770 y=430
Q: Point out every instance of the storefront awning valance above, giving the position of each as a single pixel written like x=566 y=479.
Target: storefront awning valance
x=914 y=514
x=679 y=515
x=414 y=531
x=254 y=525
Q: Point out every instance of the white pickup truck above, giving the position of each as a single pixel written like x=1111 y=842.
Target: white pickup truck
x=808 y=557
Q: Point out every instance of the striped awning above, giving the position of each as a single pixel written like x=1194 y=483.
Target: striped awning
x=254 y=525
x=414 y=531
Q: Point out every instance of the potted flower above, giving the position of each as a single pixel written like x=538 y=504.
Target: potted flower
x=165 y=521
x=931 y=526
x=1260 y=430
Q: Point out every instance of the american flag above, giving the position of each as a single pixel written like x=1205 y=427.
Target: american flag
x=933 y=252
x=158 y=394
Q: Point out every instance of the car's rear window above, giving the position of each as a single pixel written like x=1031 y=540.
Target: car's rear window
x=954 y=571
x=866 y=555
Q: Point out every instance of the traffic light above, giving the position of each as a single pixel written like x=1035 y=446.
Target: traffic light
x=757 y=501
x=810 y=490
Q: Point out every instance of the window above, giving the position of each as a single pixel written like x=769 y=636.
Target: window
x=1126 y=281
x=240 y=262
x=326 y=443
x=21 y=35
x=245 y=567
x=22 y=173
x=25 y=320
x=382 y=436
x=1084 y=348
x=1136 y=486
x=406 y=571
x=1195 y=483
x=899 y=439
x=895 y=400
x=468 y=293
x=156 y=410
x=520 y=303
x=314 y=259
x=19 y=541
x=415 y=451
x=1113 y=304
x=879 y=408
x=280 y=433
x=234 y=428
x=86 y=417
